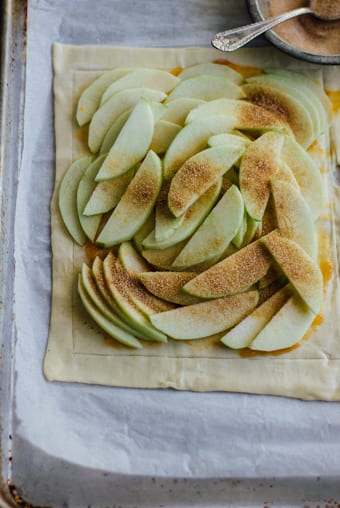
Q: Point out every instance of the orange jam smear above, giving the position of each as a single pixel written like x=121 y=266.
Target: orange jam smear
x=176 y=70
x=92 y=251
x=334 y=97
x=82 y=133
x=245 y=70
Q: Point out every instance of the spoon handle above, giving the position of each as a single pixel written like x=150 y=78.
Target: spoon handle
x=238 y=37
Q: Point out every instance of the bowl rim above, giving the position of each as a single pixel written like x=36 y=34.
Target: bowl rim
x=256 y=15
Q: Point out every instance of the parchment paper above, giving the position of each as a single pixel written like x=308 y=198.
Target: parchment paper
x=148 y=432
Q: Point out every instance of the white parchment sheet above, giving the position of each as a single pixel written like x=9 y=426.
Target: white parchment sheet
x=149 y=432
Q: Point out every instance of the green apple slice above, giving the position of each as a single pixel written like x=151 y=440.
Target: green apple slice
x=293 y=216
x=258 y=166
x=162 y=259
x=299 y=268
x=207 y=318
x=285 y=174
x=146 y=78
x=192 y=139
x=307 y=175
x=131 y=144
x=198 y=173
x=286 y=107
x=107 y=114
x=86 y=187
x=191 y=220
x=168 y=286
x=165 y=222
x=253 y=230
x=287 y=327
x=241 y=232
x=245 y=332
x=104 y=323
x=215 y=233
x=206 y=88
x=164 y=134
x=135 y=205
x=67 y=198
x=144 y=231
x=233 y=274
x=89 y=100
x=229 y=139
x=117 y=286
x=108 y=193
x=113 y=132
x=246 y=115
x=211 y=69
x=178 y=109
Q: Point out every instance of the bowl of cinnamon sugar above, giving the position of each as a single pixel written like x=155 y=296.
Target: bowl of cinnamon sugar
x=305 y=37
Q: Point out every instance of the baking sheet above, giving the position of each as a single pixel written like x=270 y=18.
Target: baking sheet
x=135 y=432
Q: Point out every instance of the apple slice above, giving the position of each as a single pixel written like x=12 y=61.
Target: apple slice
x=165 y=222
x=285 y=174
x=245 y=332
x=233 y=274
x=246 y=115
x=118 y=288
x=146 y=78
x=293 y=216
x=207 y=318
x=67 y=198
x=229 y=139
x=241 y=232
x=215 y=233
x=178 y=109
x=162 y=259
x=258 y=166
x=253 y=230
x=131 y=144
x=206 y=88
x=86 y=187
x=192 y=139
x=299 y=268
x=286 y=107
x=168 y=286
x=191 y=220
x=107 y=114
x=89 y=100
x=108 y=193
x=144 y=231
x=164 y=134
x=135 y=205
x=307 y=175
x=106 y=324
x=211 y=69
x=198 y=173
x=113 y=132
x=287 y=327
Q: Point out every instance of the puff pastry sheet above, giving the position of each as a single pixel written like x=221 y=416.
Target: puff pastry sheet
x=77 y=351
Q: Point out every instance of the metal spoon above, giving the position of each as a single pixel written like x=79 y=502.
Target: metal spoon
x=238 y=37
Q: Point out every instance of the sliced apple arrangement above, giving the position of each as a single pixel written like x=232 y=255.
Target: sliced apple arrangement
x=202 y=200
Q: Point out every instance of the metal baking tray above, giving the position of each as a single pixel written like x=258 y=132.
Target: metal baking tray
x=43 y=480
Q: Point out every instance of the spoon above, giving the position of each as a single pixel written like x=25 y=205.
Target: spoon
x=238 y=37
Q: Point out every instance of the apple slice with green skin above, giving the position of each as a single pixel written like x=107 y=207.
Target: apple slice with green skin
x=178 y=109
x=85 y=189
x=144 y=231
x=198 y=174
x=246 y=115
x=286 y=107
x=245 y=332
x=131 y=144
x=211 y=69
x=307 y=175
x=287 y=327
x=293 y=216
x=164 y=134
x=215 y=233
x=259 y=164
x=233 y=274
x=113 y=132
x=147 y=78
x=206 y=88
x=135 y=205
x=192 y=219
x=241 y=232
x=285 y=174
x=89 y=100
x=207 y=318
x=108 y=193
x=300 y=269
x=162 y=259
x=107 y=114
x=165 y=222
x=192 y=139
x=118 y=289
x=104 y=323
x=168 y=286
x=253 y=230
x=229 y=139
x=67 y=198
